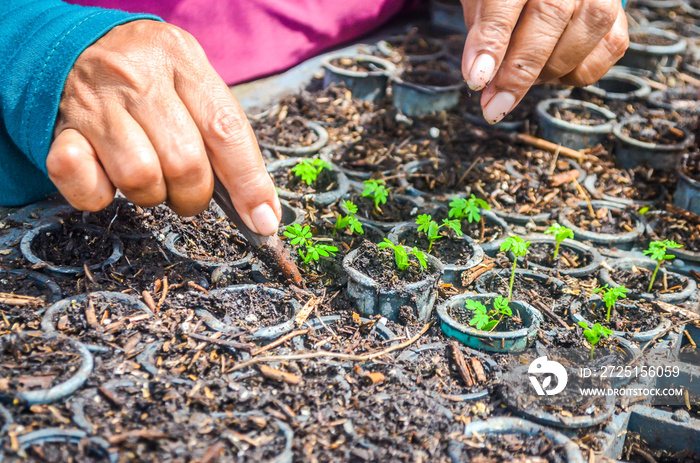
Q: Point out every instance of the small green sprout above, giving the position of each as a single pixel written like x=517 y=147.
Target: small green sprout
x=594 y=334
x=611 y=295
x=484 y=319
x=308 y=249
x=517 y=246
x=401 y=255
x=431 y=228
x=469 y=209
x=376 y=191
x=309 y=169
x=657 y=251
x=560 y=233
x=350 y=222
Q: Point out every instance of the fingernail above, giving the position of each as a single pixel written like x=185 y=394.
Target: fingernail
x=482 y=71
x=264 y=220
x=499 y=107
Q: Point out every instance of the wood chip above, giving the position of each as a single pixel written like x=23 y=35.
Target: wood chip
x=279 y=375
x=565 y=177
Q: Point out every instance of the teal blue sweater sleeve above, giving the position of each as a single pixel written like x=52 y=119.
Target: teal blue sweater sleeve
x=39 y=43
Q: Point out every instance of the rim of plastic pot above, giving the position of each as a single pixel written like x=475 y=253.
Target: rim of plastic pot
x=66 y=388
x=482 y=283
x=172 y=239
x=498 y=341
x=590 y=183
x=413 y=166
x=372 y=299
x=387 y=66
x=387 y=49
x=507 y=425
x=541 y=416
x=659 y=4
x=628 y=263
x=287 y=455
x=573 y=245
x=682 y=253
x=414 y=99
x=30 y=236
x=429 y=89
x=493 y=247
x=303 y=150
x=543 y=114
x=687 y=195
x=506 y=126
x=690 y=9
x=640 y=336
x=656 y=99
x=50 y=318
x=57 y=435
x=660 y=50
x=642 y=89
x=452 y=273
x=43 y=281
x=266 y=334
x=318 y=324
x=7 y=416
x=522 y=219
x=660 y=149
x=146 y=359
x=291 y=214
x=77 y=406
x=321 y=199
x=408 y=354
x=387 y=226
x=607 y=239
x=353 y=175
x=510 y=168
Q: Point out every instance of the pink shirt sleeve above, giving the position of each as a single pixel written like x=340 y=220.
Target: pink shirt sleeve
x=246 y=39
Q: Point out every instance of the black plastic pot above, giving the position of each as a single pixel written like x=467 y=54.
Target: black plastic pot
x=414 y=99
x=683 y=254
x=523 y=219
x=387 y=48
x=687 y=195
x=452 y=273
x=491 y=341
x=263 y=335
x=684 y=102
x=573 y=165
x=52 y=289
x=77 y=405
x=53 y=313
x=653 y=57
x=368 y=86
x=576 y=314
x=575 y=136
x=632 y=153
x=618 y=85
x=30 y=236
x=413 y=203
x=626 y=264
x=320 y=323
x=286 y=455
x=624 y=241
x=447 y=16
x=171 y=244
x=590 y=184
x=371 y=299
x=505 y=126
x=323 y=198
x=7 y=420
x=503 y=426
x=291 y=214
x=573 y=246
x=302 y=150
x=64 y=389
x=688 y=7
x=58 y=435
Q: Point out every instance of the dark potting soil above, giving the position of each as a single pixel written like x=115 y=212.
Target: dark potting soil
x=72 y=247
x=438 y=178
x=527 y=196
x=380 y=265
x=483 y=231
x=494 y=448
x=121 y=218
x=534 y=292
x=541 y=254
x=679 y=229
x=629 y=316
x=429 y=79
x=395 y=209
x=522 y=112
x=449 y=249
x=349 y=334
x=209 y=238
x=30 y=363
x=415 y=45
x=367 y=157
x=643 y=38
x=577 y=115
x=287 y=180
x=83 y=451
x=22 y=285
x=639 y=281
x=627 y=184
x=350 y=64
x=691 y=166
x=464 y=316
x=653 y=131
x=607 y=221
x=287 y=132
x=637 y=450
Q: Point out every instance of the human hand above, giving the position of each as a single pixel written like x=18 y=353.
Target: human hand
x=513 y=45
x=143 y=111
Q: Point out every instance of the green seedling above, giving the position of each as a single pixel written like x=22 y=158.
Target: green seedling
x=376 y=191
x=308 y=249
x=349 y=221
x=594 y=334
x=486 y=320
x=309 y=169
x=401 y=255
x=611 y=295
x=517 y=246
x=427 y=225
x=657 y=251
x=560 y=233
x=469 y=209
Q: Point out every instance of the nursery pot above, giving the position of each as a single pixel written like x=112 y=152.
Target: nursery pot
x=371 y=299
x=569 y=134
x=504 y=426
x=28 y=253
x=388 y=48
x=627 y=264
x=302 y=150
x=577 y=315
x=53 y=291
x=321 y=198
x=623 y=241
x=641 y=56
x=320 y=323
x=573 y=165
x=631 y=152
x=364 y=85
x=171 y=243
x=60 y=435
x=618 y=85
x=452 y=272
x=447 y=16
x=291 y=214
x=574 y=246
x=687 y=195
x=410 y=203
x=591 y=185
x=492 y=341
x=684 y=102
x=683 y=254
x=415 y=99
